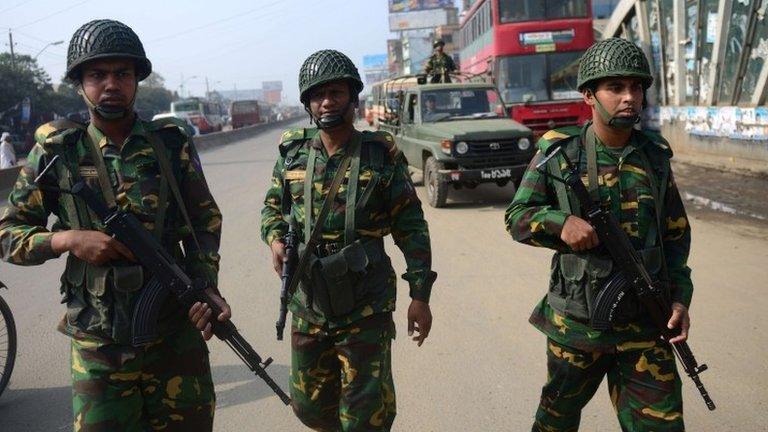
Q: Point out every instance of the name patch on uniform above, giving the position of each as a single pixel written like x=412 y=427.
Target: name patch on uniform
x=295 y=175
x=88 y=171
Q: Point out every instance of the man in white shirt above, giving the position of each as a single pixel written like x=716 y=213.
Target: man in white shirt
x=7 y=154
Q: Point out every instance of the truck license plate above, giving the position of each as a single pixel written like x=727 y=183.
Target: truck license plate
x=496 y=174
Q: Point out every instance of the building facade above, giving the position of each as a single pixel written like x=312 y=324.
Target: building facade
x=710 y=74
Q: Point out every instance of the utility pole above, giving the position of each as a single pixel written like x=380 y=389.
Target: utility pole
x=13 y=57
x=207 y=89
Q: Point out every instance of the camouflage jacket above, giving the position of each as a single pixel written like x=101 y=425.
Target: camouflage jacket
x=534 y=218
x=134 y=173
x=392 y=208
x=439 y=63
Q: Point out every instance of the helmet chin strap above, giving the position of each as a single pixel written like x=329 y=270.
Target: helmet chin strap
x=107 y=112
x=616 y=122
x=329 y=121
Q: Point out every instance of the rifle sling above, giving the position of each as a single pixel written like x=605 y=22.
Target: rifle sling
x=312 y=238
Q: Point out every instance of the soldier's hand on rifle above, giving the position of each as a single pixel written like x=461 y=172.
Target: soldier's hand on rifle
x=679 y=319
x=420 y=320
x=578 y=234
x=278 y=256
x=200 y=313
x=93 y=247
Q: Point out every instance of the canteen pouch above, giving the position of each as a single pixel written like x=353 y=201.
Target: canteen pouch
x=341 y=274
x=126 y=281
x=575 y=282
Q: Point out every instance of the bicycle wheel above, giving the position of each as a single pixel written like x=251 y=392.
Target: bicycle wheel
x=7 y=344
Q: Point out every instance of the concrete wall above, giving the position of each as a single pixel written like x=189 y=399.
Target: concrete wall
x=748 y=156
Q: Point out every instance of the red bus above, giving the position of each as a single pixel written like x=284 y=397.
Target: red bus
x=531 y=48
x=244 y=113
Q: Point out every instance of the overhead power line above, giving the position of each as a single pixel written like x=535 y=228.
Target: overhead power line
x=51 y=15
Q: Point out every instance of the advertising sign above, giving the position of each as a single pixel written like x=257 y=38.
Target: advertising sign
x=418 y=19
x=415 y=5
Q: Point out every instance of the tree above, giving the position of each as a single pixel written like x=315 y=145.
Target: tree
x=153 y=97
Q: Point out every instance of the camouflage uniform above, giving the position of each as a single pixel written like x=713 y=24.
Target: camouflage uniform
x=117 y=386
x=644 y=385
x=340 y=376
x=166 y=384
x=439 y=65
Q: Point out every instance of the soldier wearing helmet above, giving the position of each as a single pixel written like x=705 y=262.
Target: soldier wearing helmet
x=152 y=170
x=440 y=65
x=342 y=327
x=627 y=169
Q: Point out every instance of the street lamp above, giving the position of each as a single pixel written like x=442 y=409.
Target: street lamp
x=181 y=86
x=49 y=44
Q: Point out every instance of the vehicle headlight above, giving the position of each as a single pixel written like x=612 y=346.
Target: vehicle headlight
x=524 y=144
x=462 y=147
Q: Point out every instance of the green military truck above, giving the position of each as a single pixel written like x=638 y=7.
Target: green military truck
x=456 y=133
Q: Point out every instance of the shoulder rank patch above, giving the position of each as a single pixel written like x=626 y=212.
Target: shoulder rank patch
x=43 y=132
x=292 y=135
x=169 y=123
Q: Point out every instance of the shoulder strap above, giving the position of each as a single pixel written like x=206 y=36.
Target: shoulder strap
x=354 y=176
x=309 y=179
x=167 y=172
x=590 y=147
x=101 y=168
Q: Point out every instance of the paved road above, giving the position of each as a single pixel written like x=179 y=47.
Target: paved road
x=483 y=366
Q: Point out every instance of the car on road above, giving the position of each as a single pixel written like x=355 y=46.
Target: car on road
x=456 y=133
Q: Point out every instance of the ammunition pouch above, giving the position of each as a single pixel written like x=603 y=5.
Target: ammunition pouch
x=337 y=278
x=100 y=299
x=577 y=279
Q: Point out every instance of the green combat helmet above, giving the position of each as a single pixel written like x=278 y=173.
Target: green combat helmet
x=323 y=67
x=100 y=39
x=614 y=57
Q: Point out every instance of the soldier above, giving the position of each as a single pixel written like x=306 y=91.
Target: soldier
x=152 y=170
x=628 y=171
x=341 y=377
x=439 y=65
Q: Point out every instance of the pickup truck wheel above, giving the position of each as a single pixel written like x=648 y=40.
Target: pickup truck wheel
x=437 y=191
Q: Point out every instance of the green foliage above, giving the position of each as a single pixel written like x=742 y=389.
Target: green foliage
x=28 y=79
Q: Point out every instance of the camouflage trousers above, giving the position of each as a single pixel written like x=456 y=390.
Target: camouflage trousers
x=643 y=383
x=341 y=379
x=164 y=386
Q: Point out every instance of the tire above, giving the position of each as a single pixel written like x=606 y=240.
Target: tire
x=437 y=191
x=7 y=344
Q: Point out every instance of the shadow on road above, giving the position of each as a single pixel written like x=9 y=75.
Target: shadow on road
x=236 y=385
x=29 y=410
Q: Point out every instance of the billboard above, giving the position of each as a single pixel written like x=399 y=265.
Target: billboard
x=375 y=61
x=417 y=5
x=419 y=19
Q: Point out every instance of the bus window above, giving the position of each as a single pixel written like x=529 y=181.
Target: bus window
x=535 y=10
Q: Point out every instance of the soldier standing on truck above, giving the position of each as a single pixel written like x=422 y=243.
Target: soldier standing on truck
x=342 y=328
x=440 y=65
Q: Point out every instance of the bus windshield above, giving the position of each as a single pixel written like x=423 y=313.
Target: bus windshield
x=186 y=106
x=539 y=77
x=243 y=107
x=441 y=105
x=539 y=10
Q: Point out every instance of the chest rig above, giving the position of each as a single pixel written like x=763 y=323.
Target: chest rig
x=100 y=299
x=338 y=274
x=578 y=277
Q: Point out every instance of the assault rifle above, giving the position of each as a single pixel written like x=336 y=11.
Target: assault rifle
x=631 y=275
x=291 y=242
x=167 y=278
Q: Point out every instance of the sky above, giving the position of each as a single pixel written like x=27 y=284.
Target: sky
x=231 y=42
